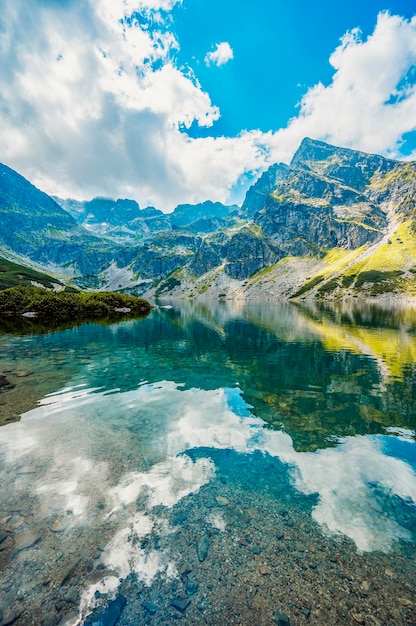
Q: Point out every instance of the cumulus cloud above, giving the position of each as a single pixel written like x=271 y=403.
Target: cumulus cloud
x=221 y=55
x=370 y=103
x=92 y=103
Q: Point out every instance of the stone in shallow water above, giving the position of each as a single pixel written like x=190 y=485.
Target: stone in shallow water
x=15 y=521
x=111 y=616
x=10 y=617
x=4 y=383
x=222 y=501
x=202 y=547
x=180 y=604
x=26 y=470
x=57 y=526
x=3 y=535
x=150 y=607
x=281 y=619
x=26 y=540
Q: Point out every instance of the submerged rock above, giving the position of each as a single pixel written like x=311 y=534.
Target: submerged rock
x=10 y=617
x=281 y=619
x=150 y=607
x=111 y=616
x=5 y=385
x=26 y=540
x=202 y=547
x=180 y=604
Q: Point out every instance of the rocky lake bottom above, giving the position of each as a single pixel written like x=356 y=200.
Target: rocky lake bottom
x=211 y=464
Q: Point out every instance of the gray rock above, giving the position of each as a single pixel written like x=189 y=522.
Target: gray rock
x=281 y=619
x=180 y=604
x=110 y=616
x=202 y=547
x=150 y=607
x=10 y=617
x=72 y=595
x=26 y=540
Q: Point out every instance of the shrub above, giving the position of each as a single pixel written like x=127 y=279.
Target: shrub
x=64 y=304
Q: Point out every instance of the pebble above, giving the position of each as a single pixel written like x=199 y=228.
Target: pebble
x=358 y=618
x=180 y=604
x=26 y=540
x=22 y=373
x=185 y=569
x=10 y=617
x=15 y=521
x=26 y=470
x=150 y=607
x=72 y=595
x=222 y=501
x=191 y=586
x=57 y=526
x=111 y=616
x=69 y=570
x=264 y=570
x=3 y=535
x=202 y=547
x=281 y=619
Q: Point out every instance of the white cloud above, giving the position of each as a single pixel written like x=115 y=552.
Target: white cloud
x=221 y=55
x=91 y=103
x=371 y=101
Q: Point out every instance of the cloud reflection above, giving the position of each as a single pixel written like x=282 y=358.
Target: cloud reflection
x=353 y=481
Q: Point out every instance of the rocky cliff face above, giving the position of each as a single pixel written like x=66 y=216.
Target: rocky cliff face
x=308 y=213
x=334 y=221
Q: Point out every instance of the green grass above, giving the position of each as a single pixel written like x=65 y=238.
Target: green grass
x=400 y=173
x=308 y=285
x=13 y=275
x=167 y=284
x=375 y=276
x=63 y=304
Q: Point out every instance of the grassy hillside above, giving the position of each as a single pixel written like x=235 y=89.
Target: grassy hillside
x=14 y=275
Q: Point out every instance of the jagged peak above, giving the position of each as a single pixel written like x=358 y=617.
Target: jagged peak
x=311 y=151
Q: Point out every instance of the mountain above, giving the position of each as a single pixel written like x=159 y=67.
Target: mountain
x=123 y=221
x=334 y=222
x=33 y=225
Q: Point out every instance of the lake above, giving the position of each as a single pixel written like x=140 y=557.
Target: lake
x=222 y=463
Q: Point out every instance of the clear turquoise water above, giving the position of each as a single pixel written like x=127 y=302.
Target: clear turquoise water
x=245 y=458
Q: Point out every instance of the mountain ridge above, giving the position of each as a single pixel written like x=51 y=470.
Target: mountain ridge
x=335 y=222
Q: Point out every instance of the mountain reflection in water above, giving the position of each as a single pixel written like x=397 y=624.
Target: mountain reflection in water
x=246 y=458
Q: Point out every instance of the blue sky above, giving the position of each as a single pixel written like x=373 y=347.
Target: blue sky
x=173 y=101
x=281 y=49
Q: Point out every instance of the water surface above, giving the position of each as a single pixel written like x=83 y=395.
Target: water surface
x=215 y=464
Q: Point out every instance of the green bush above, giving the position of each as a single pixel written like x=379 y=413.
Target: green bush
x=63 y=304
x=375 y=276
x=309 y=285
